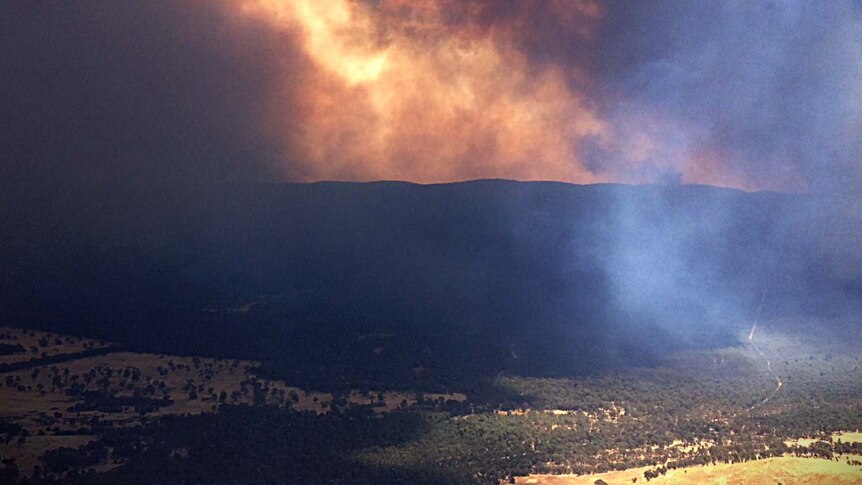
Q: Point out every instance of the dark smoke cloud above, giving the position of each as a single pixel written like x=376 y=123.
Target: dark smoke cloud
x=118 y=121
x=104 y=93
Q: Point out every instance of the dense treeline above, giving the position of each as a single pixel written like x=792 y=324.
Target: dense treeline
x=111 y=403
x=246 y=444
x=56 y=359
x=9 y=349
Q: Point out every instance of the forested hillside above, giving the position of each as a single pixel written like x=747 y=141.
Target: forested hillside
x=452 y=282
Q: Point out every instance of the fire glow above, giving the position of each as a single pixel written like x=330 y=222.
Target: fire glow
x=429 y=92
x=438 y=91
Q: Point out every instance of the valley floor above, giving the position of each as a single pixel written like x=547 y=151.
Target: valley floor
x=784 y=470
x=699 y=417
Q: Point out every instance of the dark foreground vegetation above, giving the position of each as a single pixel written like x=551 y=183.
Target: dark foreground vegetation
x=696 y=408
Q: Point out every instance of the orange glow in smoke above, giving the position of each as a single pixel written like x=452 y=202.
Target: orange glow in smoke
x=708 y=167
x=443 y=90
x=403 y=90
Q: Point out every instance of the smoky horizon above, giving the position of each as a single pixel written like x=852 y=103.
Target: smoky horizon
x=756 y=96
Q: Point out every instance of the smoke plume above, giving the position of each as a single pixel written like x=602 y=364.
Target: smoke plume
x=752 y=96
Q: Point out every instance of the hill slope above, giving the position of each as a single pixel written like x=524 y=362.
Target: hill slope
x=451 y=280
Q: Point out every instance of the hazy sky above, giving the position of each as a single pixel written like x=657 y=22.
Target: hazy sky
x=754 y=95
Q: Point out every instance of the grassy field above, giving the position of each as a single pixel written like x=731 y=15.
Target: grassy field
x=844 y=436
x=785 y=470
x=848 y=437
x=177 y=377
x=37 y=399
x=694 y=409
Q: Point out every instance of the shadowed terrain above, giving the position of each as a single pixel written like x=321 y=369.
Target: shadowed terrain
x=491 y=329
x=452 y=283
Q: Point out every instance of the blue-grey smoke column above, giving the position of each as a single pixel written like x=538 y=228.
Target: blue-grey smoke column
x=773 y=87
x=772 y=91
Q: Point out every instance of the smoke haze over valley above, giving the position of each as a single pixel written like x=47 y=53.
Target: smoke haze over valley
x=135 y=132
